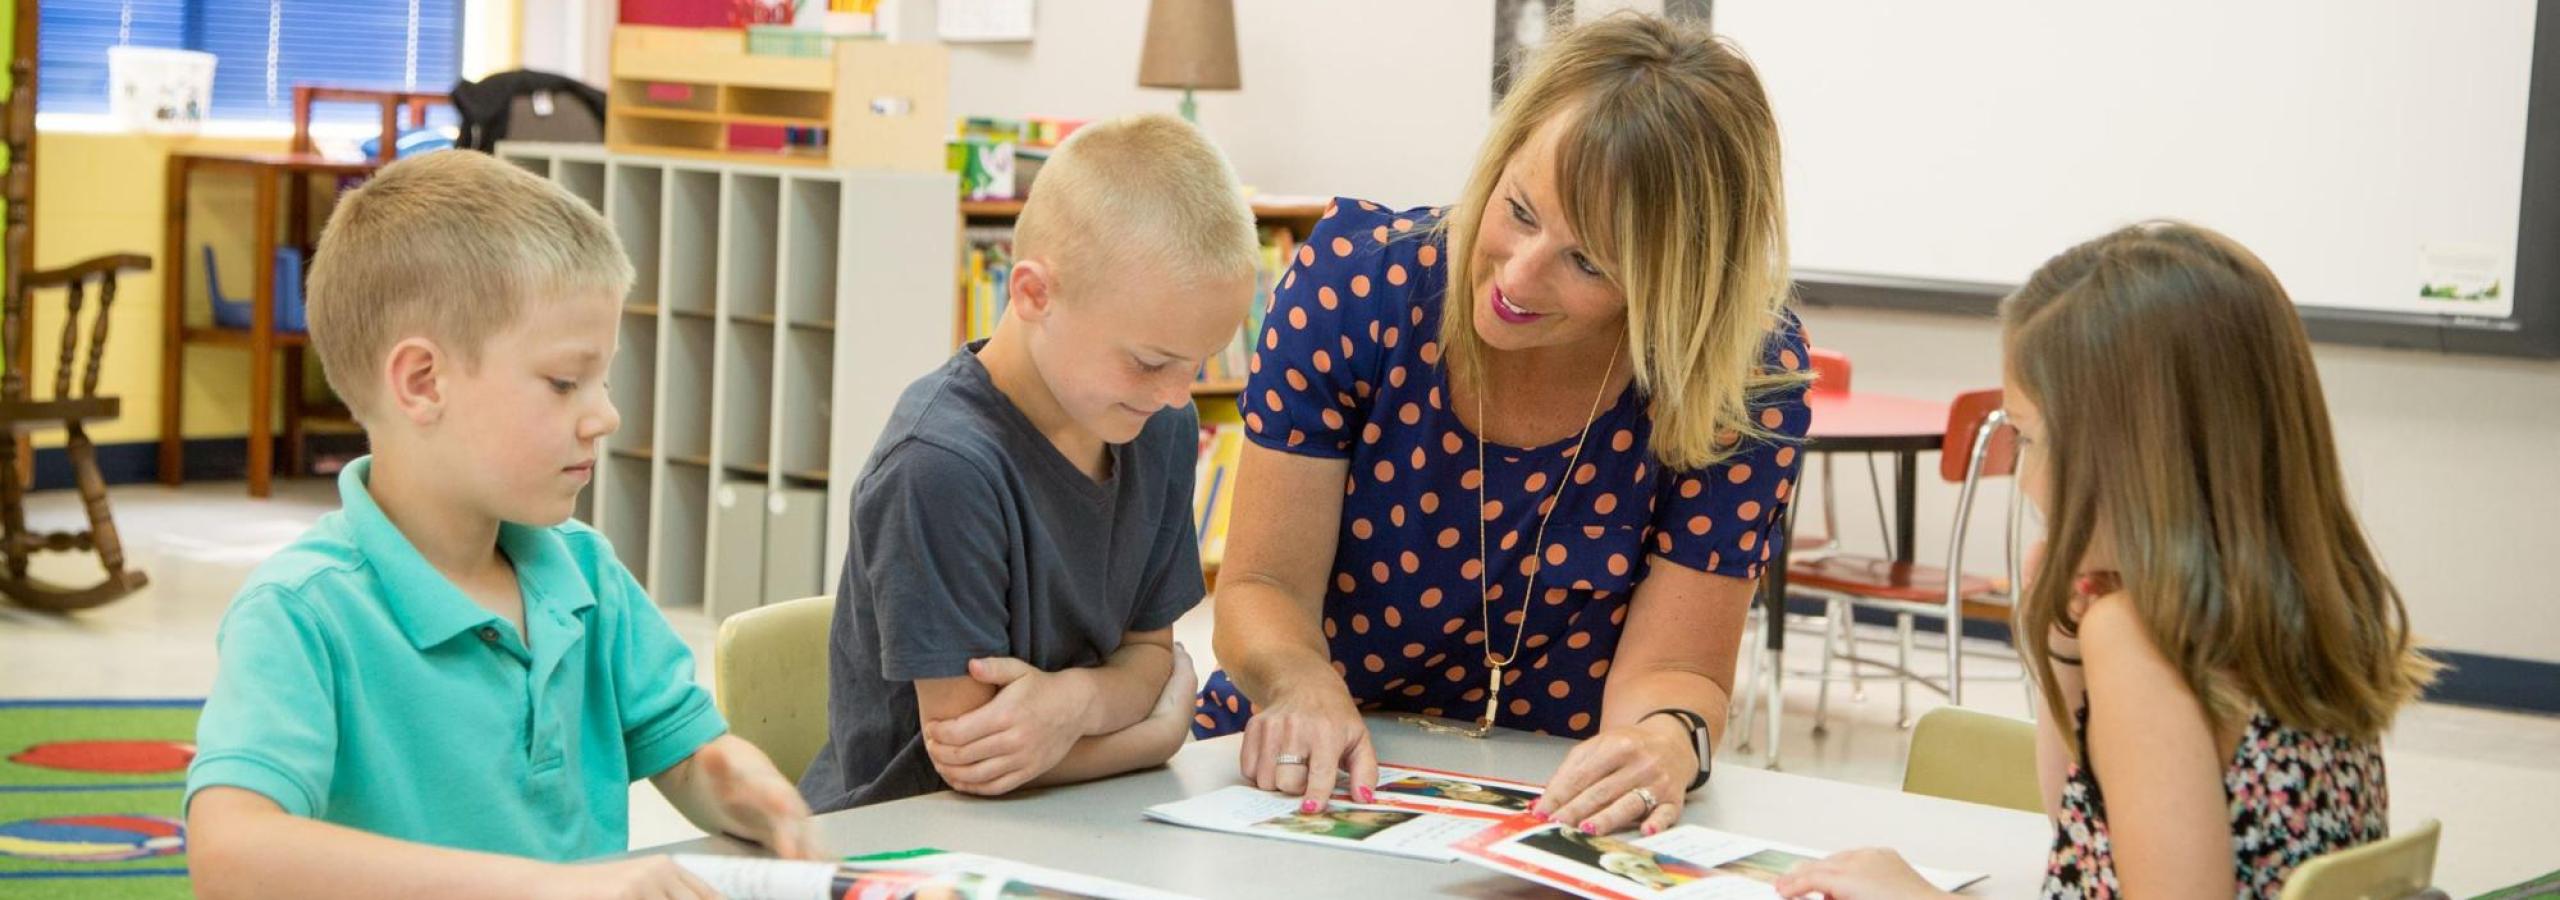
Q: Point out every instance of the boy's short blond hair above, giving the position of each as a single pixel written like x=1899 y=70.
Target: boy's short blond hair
x=1138 y=196
x=449 y=246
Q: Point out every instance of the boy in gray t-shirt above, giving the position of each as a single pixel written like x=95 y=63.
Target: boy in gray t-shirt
x=1022 y=534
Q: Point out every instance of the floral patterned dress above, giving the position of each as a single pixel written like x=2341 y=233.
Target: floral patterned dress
x=2293 y=795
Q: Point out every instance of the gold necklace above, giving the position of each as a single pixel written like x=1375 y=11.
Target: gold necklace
x=1484 y=563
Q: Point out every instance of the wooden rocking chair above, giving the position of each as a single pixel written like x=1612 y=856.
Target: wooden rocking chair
x=22 y=413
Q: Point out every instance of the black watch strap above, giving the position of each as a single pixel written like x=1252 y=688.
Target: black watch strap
x=1701 y=741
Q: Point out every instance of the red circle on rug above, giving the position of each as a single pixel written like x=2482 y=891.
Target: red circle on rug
x=122 y=757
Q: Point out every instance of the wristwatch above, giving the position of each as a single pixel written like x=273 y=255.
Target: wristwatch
x=1700 y=740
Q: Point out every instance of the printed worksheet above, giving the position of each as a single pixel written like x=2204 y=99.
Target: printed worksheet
x=1433 y=790
x=1375 y=828
x=1688 y=862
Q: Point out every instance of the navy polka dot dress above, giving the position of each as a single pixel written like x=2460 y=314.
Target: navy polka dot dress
x=1347 y=367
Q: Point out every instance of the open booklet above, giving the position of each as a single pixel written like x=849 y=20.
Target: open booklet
x=1433 y=790
x=913 y=875
x=1376 y=828
x=1687 y=862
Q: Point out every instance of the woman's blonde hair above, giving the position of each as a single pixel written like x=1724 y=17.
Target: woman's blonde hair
x=1669 y=175
x=2183 y=416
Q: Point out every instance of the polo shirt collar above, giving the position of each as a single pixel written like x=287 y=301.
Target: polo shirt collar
x=428 y=606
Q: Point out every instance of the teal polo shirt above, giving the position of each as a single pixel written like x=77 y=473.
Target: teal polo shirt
x=359 y=686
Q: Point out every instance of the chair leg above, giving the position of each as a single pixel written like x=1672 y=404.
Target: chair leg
x=1831 y=613
x=1777 y=669
x=1831 y=502
x=1955 y=658
x=13 y=511
x=1857 y=675
x=1746 y=697
x=93 y=496
x=1902 y=660
x=297 y=461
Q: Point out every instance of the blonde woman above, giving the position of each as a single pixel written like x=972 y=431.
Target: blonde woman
x=1520 y=461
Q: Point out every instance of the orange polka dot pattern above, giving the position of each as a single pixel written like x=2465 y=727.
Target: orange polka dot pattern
x=1401 y=614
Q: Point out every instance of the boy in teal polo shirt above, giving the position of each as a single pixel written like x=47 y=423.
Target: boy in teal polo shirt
x=445 y=687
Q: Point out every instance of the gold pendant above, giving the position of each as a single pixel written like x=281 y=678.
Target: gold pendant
x=1484 y=723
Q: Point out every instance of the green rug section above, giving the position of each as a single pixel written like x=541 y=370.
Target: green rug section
x=29 y=725
x=82 y=782
x=2546 y=887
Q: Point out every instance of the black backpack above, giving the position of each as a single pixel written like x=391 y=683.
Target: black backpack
x=525 y=105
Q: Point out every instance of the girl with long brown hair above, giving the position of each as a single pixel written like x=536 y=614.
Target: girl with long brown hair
x=2216 y=646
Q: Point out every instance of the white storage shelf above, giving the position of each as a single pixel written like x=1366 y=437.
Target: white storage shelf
x=774 y=317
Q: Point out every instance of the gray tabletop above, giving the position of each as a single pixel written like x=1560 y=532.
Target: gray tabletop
x=1097 y=828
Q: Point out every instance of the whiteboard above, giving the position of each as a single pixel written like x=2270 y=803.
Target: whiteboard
x=2367 y=149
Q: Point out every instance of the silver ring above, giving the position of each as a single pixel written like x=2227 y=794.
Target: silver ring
x=1646 y=795
x=1288 y=759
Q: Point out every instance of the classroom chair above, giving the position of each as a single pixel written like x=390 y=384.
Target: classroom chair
x=1976 y=757
x=772 y=678
x=1979 y=445
x=2394 y=868
x=229 y=311
x=75 y=404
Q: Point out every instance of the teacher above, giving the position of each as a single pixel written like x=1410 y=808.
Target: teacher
x=1520 y=461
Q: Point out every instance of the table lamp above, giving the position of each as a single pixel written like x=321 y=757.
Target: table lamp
x=1191 y=44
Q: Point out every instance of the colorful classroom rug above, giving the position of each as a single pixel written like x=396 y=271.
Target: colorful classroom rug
x=89 y=797
x=2546 y=887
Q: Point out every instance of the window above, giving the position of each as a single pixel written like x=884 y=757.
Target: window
x=263 y=48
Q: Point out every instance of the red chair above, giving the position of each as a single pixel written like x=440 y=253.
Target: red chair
x=1979 y=445
x=1831 y=371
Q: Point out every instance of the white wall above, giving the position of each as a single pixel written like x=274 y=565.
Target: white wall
x=2453 y=462
x=569 y=37
x=1341 y=97
x=1380 y=100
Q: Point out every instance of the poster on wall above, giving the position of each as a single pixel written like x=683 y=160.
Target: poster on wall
x=1519 y=28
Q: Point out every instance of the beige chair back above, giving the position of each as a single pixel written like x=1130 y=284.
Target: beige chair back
x=1976 y=757
x=772 y=679
x=2394 y=868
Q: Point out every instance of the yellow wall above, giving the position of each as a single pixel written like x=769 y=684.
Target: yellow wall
x=102 y=193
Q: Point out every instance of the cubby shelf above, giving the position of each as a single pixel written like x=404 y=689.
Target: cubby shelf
x=739 y=394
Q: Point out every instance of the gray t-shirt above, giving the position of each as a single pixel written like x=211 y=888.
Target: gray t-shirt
x=973 y=536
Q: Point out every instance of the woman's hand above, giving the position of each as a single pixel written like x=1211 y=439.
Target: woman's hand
x=1595 y=789
x=1869 y=874
x=1318 y=730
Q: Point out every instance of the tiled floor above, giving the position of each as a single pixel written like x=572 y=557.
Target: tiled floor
x=2492 y=777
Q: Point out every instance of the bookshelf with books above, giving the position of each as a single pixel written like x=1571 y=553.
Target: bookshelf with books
x=986 y=247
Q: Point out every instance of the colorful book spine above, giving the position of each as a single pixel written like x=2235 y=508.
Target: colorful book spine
x=1213 y=492
x=988 y=275
x=1235 y=362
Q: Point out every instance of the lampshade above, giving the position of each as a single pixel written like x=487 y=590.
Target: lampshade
x=1190 y=44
